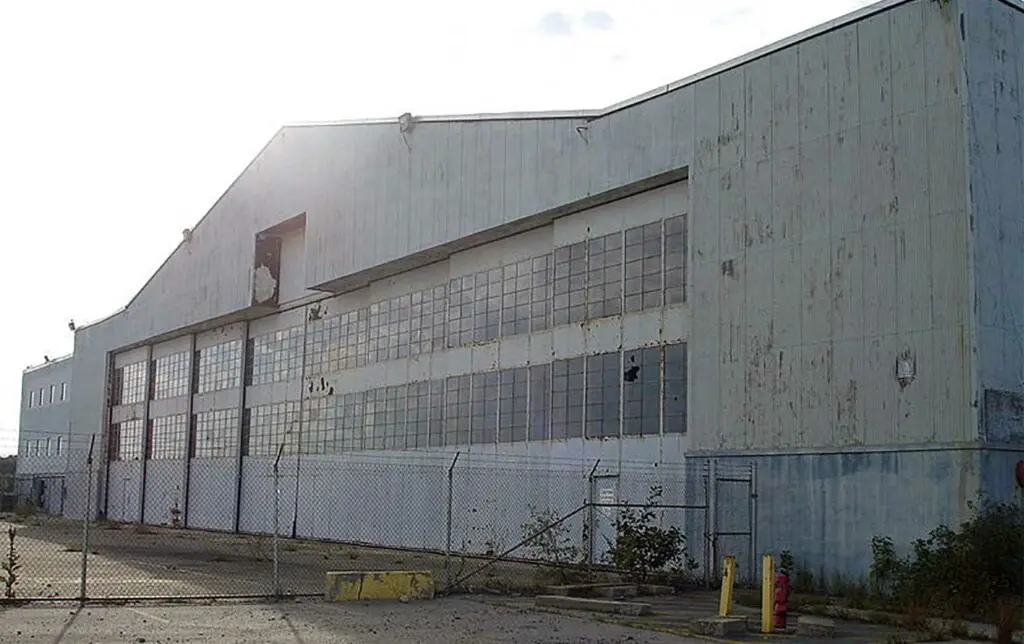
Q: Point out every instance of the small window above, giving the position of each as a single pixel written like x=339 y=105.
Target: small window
x=32 y=398
x=63 y=391
x=53 y=393
x=60 y=445
x=42 y=396
x=47 y=447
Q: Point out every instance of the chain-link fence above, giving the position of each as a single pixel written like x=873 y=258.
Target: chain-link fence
x=273 y=526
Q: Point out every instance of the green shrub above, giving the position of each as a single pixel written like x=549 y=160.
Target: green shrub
x=955 y=573
x=642 y=548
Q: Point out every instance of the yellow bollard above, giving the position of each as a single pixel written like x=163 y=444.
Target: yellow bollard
x=768 y=594
x=728 y=579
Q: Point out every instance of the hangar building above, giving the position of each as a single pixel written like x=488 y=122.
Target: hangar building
x=809 y=259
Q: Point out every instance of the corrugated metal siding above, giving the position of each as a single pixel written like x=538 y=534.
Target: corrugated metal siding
x=994 y=34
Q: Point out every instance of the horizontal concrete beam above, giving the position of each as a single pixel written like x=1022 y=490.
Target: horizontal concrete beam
x=378 y=584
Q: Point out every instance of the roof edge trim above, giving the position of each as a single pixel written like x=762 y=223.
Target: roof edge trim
x=459 y=118
x=51 y=363
x=789 y=41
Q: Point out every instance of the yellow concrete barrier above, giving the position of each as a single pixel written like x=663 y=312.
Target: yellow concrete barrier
x=378 y=584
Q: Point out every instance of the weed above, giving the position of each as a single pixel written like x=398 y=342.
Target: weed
x=9 y=567
x=642 y=548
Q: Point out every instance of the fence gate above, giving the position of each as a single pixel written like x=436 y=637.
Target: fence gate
x=604 y=491
x=732 y=491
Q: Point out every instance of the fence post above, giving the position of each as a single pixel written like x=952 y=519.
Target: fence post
x=85 y=520
x=448 y=528
x=277 y=510
x=753 y=520
x=591 y=524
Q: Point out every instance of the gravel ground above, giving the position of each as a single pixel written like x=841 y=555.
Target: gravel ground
x=311 y=622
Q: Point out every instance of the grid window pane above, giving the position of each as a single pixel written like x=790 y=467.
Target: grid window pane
x=351 y=417
x=515 y=302
x=457 y=399
x=276 y=356
x=675 y=260
x=320 y=426
x=394 y=417
x=436 y=412
x=513 y=407
x=540 y=293
x=567 y=398
x=675 y=389
x=418 y=415
x=461 y=309
x=216 y=434
x=641 y=392
x=126 y=440
x=487 y=305
x=374 y=415
x=643 y=267
x=540 y=402
x=484 y=421
x=604 y=276
x=219 y=367
x=569 y=285
x=171 y=376
x=129 y=384
x=168 y=437
x=603 y=377
x=268 y=427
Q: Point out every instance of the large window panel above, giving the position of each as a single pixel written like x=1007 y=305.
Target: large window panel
x=418 y=415
x=276 y=356
x=457 y=402
x=171 y=376
x=540 y=402
x=216 y=434
x=487 y=316
x=219 y=367
x=461 y=310
x=374 y=419
x=168 y=437
x=604 y=276
x=513 y=407
x=323 y=345
x=320 y=426
x=126 y=439
x=604 y=377
x=569 y=285
x=675 y=389
x=129 y=384
x=643 y=267
x=641 y=392
x=269 y=427
x=352 y=420
x=567 y=398
x=484 y=422
x=675 y=260
x=436 y=413
x=394 y=417
x=540 y=293
x=355 y=333
x=515 y=300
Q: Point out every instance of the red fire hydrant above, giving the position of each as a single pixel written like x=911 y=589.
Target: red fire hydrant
x=782 y=590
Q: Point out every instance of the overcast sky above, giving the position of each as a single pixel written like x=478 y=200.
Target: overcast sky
x=124 y=121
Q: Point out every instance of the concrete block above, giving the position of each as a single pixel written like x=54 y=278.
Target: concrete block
x=811 y=626
x=378 y=584
x=655 y=590
x=618 y=592
x=721 y=626
x=631 y=609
